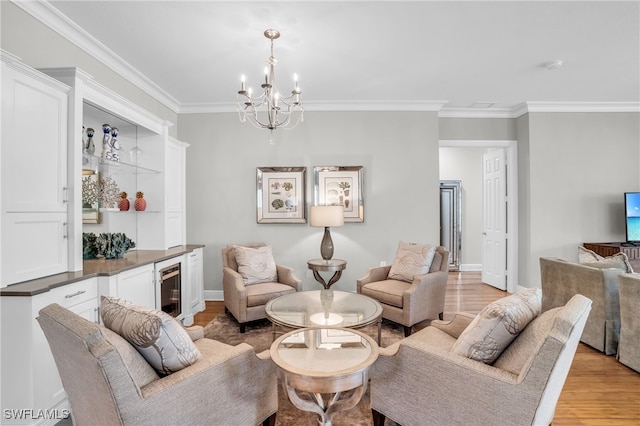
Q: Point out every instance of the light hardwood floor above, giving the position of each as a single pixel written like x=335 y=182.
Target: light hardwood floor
x=598 y=391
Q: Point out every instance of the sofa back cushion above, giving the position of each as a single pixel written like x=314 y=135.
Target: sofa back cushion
x=522 y=350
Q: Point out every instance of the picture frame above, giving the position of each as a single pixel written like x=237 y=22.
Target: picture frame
x=340 y=185
x=280 y=194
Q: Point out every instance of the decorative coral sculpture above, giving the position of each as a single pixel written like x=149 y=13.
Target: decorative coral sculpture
x=114 y=245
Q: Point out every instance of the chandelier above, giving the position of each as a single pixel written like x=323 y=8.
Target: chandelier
x=269 y=109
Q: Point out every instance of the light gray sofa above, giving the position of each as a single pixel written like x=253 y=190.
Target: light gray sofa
x=108 y=382
x=629 y=345
x=420 y=380
x=562 y=279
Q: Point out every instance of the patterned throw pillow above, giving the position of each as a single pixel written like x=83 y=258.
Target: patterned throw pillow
x=159 y=337
x=256 y=265
x=411 y=260
x=495 y=327
x=617 y=261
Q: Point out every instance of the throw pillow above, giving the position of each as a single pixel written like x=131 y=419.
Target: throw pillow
x=256 y=264
x=411 y=260
x=159 y=337
x=495 y=327
x=617 y=261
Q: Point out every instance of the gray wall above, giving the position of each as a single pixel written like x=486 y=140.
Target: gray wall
x=399 y=152
x=580 y=164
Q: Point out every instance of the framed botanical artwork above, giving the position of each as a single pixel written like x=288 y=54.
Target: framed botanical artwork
x=281 y=194
x=340 y=185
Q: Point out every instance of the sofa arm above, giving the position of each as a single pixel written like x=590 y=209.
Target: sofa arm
x=287 y=275
x=378 y=273
x=456 y=326
x=236 y=383
x=196 y=332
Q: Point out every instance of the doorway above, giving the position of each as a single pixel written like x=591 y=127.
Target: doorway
x=450 y=215
x=509 y=264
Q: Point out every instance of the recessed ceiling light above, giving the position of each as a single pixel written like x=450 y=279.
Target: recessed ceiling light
x=553 y=65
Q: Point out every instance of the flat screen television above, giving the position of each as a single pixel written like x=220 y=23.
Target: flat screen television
x=632 y=216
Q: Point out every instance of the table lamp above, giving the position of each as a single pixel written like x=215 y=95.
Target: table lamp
x=326 y=216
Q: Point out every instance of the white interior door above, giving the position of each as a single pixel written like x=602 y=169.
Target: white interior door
x=494 y=253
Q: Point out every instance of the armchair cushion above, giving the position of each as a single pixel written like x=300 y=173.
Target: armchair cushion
x=411 y=260
x=389 y=292
x=495 y=327
x=260 y=294
x=159 y=337
x=617 y=261
x=256 y=264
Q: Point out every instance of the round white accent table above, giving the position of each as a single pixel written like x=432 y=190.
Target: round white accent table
x=324 y=362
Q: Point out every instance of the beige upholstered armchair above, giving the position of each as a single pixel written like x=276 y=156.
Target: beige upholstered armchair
x=109 y=382
x=422 y=379
x=629 y=345
x=408 y=303
x=246 y=300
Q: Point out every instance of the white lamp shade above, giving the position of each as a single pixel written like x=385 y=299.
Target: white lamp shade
x=326 y=216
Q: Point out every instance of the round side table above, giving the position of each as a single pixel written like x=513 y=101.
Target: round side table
x=332 y=265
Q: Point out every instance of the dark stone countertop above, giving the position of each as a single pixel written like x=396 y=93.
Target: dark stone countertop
x=94 y=268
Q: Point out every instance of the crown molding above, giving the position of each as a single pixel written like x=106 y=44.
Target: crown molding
x=583 y=106
x=423 y=106
x=478 y=113
x=51 y=17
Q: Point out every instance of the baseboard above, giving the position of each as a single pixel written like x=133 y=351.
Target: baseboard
x=216 y=295
x=470 y=267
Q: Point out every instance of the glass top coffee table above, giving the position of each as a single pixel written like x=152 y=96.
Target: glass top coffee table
x=324 y=308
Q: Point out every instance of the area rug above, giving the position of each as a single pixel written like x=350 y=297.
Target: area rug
x=259 y=334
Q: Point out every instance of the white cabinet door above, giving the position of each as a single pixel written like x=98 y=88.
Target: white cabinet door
x=137 y=286
x=196 y=282
x=175 y=164
x=29 y=374
x=34 y=174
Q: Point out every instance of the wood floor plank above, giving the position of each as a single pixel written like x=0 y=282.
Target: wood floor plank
x=599 y=391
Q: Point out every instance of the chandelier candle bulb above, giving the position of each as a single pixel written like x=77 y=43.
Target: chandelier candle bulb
x=242 y=80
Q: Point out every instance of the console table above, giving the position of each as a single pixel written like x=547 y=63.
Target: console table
x=609 y=249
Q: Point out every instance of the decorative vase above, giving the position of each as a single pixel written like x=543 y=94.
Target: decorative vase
x=115 y=146
x=106 y=141
x=140 y=204
x=123 y=204
x=90 y=147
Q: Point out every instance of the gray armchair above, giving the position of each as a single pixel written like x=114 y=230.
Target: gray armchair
x=420 y=379
x=409 y=303
x=108 y=382
x=247 y=302
x=629 y=345
x=561 y=279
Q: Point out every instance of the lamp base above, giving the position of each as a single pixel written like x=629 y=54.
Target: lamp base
x=326 y=247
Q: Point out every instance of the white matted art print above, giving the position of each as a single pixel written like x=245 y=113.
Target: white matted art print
x=281 y=194
x=340 y=186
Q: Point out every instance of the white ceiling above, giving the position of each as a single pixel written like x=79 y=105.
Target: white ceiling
x=401 y=54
